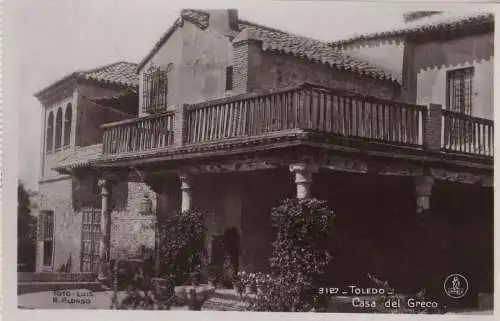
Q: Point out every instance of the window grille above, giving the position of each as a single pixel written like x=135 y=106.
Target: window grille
x=45 y=226
x=460 y=90
x=155 y=90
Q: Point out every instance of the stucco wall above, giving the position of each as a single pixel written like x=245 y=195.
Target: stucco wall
x=385 y=53
x=56 y=196
x=198 y=60
x=433 y=59
x=276 y=71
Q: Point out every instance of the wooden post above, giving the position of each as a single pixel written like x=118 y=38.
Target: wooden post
x=104 y=246
x=186 y=201
x=423 y=191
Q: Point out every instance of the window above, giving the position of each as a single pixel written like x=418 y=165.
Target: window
x=45 y=234
x=229 y=78
x=155 y=89
x=50 y=132
x=67 y=125
x=58 y=129
x=459 y=90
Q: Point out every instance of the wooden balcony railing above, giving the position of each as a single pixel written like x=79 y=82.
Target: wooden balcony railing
x=140 y=134
x=311 y=108
x=466 y=134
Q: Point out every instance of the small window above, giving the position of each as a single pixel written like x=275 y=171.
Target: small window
x=459 y=90
x=67 y=125
x=50 y=133
x=229 y=78
x=47 y=253
x=59 y=122
x=46 y=235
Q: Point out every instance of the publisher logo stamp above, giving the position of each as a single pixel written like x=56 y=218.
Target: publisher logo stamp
x=456 y=286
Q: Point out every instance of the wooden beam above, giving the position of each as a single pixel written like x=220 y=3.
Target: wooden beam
x=346 y=164
x=461 y=177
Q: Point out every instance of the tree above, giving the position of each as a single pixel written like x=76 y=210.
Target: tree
x=26 y=229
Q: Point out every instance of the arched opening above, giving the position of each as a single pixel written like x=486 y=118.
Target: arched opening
x=50 y=132
x=58 y=129
x=67 y=124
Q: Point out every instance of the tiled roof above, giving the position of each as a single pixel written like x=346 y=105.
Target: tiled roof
x=118 y=73
x=281 y=42
x=311 y=49
x=80 y=157
x=122 y=73
x=444 y=21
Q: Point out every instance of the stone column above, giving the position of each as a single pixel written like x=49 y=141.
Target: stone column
x=186 y=199
x=303 y=178
x=423 y=191
x=104 y=246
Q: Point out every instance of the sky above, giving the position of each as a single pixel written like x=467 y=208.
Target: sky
x=52 y=38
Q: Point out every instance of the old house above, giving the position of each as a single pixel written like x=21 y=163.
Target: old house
x=230 y=117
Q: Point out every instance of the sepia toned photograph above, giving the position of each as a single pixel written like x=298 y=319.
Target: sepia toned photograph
x=285 y=156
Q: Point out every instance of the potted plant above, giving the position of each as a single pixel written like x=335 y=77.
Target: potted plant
x=195 y=276
x=213 y=272
x=238 y=284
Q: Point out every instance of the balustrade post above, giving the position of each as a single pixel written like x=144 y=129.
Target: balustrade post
x=303 y=178
x=432 y=128
x=180 y=125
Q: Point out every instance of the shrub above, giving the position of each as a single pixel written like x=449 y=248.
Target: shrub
x=300 y=256
x=181 y=246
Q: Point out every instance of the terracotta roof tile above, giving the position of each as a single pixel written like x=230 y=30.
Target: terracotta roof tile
x=311 y=49
x=122 y=73
x=80 y=157
x=281 y=42
x=443 y=21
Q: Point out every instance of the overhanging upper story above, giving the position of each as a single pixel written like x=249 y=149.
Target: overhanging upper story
x=216 y=86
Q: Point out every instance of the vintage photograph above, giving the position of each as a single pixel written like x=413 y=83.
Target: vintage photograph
x=320 y=157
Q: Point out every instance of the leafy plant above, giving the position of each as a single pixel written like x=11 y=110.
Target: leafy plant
x=181 y=246
x=300 y=256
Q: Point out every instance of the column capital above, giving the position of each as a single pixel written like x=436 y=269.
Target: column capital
x=185 y=179
x=303 y=167
x=423 y=185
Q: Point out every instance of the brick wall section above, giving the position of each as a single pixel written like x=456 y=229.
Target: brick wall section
x=275 y=71
x=432 y=128
x=130 y=229
x=179 y=126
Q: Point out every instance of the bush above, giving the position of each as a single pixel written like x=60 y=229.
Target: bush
x=182 y=247
x=300 y=256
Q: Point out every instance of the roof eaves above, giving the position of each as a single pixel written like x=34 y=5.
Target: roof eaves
x=178 y=23
x=418 y=29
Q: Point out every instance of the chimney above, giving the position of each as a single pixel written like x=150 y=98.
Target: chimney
x=225 y=21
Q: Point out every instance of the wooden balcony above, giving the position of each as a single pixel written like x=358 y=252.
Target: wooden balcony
x=306 y=108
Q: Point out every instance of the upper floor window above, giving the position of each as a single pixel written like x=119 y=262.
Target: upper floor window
x=59 y=123
x=67 y=124
x=459 y=90
x=229 y=78
x=155 y=89
x=50 y=132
